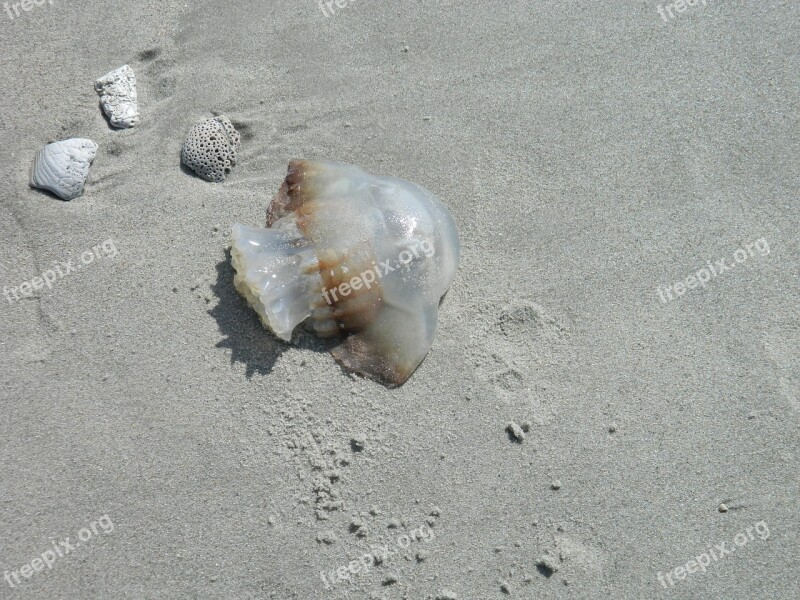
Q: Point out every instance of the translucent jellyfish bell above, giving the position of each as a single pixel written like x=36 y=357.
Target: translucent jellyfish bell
x=364 y=258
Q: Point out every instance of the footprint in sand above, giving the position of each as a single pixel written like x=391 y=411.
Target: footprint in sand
x=523 y=339
x=579 y=557
x=160 y=71
x=524 y=322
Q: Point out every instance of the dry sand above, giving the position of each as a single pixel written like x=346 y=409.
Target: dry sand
x=591 y=154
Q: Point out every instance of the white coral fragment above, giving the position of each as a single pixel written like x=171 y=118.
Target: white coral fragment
x=210 y=148
x=62 y=167
x=118 y=96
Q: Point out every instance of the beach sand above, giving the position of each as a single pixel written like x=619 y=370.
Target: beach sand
x=592 y=154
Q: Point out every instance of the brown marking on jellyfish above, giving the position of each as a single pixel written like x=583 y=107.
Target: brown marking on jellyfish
x=354 y=299
x=295 y=191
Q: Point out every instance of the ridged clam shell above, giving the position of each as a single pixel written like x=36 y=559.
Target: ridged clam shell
x=118 y=96
x=62 y=167
x=362 y=257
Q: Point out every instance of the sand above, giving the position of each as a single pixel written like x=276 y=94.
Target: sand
x=592 y=154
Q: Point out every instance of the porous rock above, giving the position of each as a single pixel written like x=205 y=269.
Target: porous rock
x=210 y=148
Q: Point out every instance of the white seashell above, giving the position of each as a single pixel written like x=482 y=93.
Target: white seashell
x=365 y=257
x=62 y=167
x=210 y=148
x=117 y=91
